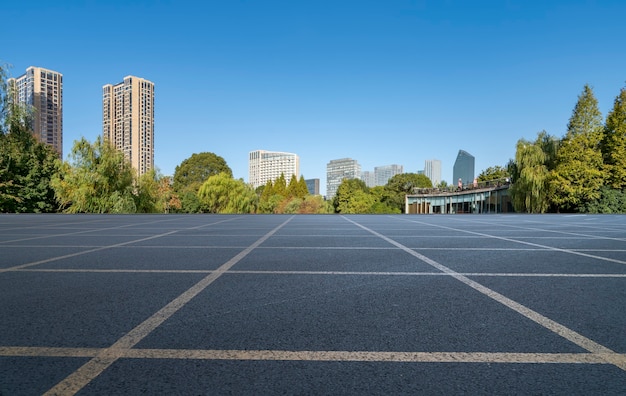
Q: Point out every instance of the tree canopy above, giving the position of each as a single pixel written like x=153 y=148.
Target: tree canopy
x=578 y=175
x=26 y=165
x=222 y=194
x=96 y=179
x=195 y=170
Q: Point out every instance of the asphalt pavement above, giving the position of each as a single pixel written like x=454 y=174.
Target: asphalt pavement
x=313 y=304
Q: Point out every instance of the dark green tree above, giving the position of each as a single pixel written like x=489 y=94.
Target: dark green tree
x=578 y=175
x=26 y=165
x=614 y=144
x=195 y=170
x=191 y=173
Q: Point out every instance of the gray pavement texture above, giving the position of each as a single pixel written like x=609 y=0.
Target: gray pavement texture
x=312 y=304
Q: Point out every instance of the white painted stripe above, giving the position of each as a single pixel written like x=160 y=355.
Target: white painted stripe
x=90 y=370
x=536 y=317
x=324 y=356
x=347 y=273
x=31 y=264
x=569 y=251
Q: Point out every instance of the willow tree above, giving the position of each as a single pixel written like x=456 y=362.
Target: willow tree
x=614 y=144
x=578 y=175
x=529 y=191
x=96 y=179
x=223 y=194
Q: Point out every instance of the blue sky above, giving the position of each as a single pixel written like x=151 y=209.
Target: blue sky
x=382 y=82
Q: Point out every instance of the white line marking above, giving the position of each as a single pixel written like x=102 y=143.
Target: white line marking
x=571 y=335
x=348 y=273
x=323 y=356
x=90 y=370
x=17 y=267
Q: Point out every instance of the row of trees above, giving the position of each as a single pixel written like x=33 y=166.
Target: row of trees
x=584 y=171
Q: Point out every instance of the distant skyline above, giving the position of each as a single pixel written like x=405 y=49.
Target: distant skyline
x=396 y=82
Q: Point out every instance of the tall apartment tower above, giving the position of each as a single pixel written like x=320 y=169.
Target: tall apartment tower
x=128 y=120
x=432 y=170
x=463 y=168
x=337 y=170
x=384 y=173
x=42 y=90
x=264 y=166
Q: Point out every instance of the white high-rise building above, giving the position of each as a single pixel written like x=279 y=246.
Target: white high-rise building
x=432 y=170
x=264 y=166
x=337 y=170
x=43 y=90
x=384 y=173
x=369 y=178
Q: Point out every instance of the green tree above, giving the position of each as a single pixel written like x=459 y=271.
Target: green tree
x=191 y=173
x=382 y=197
x=352 y=197
x=611 y=200
x=280 y=186
x=154 y=193
x=493 y=173
x=529 y=191
x=401 y=185
x=26 y=165
x=223 y=194
x=96 y=179
x=614 y=144
x=578 y=175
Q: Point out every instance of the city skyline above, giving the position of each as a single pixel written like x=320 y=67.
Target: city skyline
x=380 y=82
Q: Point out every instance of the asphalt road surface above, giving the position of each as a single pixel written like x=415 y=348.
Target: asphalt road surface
x=312 y=304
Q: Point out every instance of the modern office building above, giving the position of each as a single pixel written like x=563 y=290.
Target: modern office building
x=313 y=185
x=42 y=90
x=463 y=168
x=264 y=166
x=369 y=178
x=128 y=120
x=384 y=173
x=432 y=170
x=338 y=170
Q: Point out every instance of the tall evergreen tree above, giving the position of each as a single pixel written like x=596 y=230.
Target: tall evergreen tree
x=579 y=175
x=614 y=144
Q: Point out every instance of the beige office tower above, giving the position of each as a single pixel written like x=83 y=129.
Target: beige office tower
x=267 y=166
x=128 y=120
x=42 y=90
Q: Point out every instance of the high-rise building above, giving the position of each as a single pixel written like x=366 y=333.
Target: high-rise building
x=369 y=178
x=337 y=170
x=432 y=170
x=264 y=166
x=43 y=90
x=128 y=120
x=463 y=168
x=384 y=173
x=313 y=185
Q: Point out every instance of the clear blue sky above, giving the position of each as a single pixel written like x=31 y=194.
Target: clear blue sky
x=382 y=82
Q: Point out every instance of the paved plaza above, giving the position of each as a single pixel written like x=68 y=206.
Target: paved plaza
x=312 y=304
